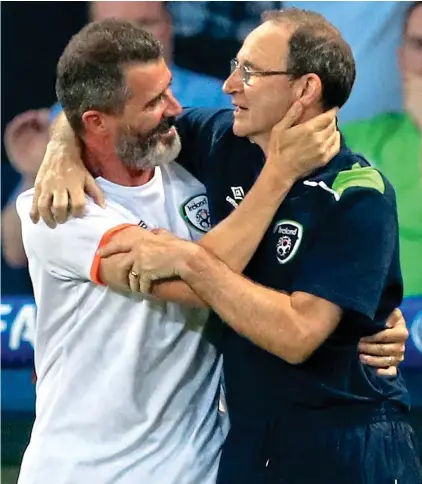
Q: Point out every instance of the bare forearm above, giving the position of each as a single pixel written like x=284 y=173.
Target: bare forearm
x=178 y=291
x=60 y=131
x=114 y=272
x=281 y=324
x=262 y=315
x=235 y=239
x=64 y=143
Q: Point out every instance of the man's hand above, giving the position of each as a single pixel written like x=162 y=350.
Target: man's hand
x=412 y=88
x=298 y=149
x=62 y=180
x=152 y=256
x=25 y=140
x=385 y=350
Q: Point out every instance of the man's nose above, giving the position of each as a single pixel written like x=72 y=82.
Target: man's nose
x=173 y=107
x=233 y=83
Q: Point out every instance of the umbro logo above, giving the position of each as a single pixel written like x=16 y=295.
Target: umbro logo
x=238 y=194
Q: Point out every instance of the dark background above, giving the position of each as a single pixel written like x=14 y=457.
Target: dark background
x=33 y=35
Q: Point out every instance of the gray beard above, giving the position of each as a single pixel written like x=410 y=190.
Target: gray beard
x=139 y=154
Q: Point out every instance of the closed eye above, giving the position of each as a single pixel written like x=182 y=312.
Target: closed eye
x=156 y=101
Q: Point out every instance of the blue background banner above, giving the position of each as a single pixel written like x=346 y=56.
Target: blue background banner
x=18 y=318
x=412 y=310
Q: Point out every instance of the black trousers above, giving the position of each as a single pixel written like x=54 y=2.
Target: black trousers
x=380 y=451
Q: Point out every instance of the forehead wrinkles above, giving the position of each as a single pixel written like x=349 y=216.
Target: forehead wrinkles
x=148 y=80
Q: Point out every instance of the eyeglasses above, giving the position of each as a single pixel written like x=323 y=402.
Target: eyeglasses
x=246 y=72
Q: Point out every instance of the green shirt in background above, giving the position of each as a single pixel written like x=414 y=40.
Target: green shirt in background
x=392 y=143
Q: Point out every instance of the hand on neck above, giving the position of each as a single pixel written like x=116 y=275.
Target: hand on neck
x=263 y=139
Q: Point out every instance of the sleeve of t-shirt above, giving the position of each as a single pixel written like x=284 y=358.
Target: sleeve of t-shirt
x=199 y=130
x=68 y=251
x=348 y=261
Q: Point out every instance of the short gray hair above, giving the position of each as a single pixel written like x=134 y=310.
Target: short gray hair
x=90 y=72
x=317 y=47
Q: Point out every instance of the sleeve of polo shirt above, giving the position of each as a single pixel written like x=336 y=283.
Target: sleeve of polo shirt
x=199 y=129
x=348 y=261
x=68 y=252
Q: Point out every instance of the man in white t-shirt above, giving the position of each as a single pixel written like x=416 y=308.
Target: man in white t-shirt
x=128 y=386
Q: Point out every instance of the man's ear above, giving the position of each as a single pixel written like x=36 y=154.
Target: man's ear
x=94 y=122
x=308 y=90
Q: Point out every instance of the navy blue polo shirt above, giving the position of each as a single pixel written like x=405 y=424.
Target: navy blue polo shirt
x=334 y=236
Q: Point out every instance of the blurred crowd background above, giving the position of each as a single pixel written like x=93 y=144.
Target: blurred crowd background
x=382 y=120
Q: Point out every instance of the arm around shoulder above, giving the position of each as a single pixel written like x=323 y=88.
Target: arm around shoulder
x=67 y=251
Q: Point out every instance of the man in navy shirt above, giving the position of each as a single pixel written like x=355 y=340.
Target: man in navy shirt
x=303 y=407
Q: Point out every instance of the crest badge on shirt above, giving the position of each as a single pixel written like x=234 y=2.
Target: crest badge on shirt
x=289 y=235
x=196 y=212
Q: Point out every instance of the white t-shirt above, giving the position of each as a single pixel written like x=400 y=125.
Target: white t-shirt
x=128 y=387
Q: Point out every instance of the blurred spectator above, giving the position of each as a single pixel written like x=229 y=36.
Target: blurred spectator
x=209 y=34
x=27 y=134
x=25 y=140
x=371 y=28
x=392 y=141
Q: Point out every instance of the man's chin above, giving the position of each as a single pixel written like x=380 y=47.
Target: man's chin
x=167 y=150
x=168 y=138
x=240 y=130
